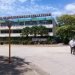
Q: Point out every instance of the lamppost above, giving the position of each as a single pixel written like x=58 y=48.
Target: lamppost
x=9 y=24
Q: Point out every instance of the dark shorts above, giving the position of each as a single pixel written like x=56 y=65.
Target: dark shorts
x=72 y=49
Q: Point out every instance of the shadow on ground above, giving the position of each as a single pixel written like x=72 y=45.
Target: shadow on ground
x=18 y=66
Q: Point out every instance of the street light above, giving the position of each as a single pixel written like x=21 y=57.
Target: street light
x=9 y=23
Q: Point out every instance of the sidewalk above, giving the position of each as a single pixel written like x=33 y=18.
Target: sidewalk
x=18 y=66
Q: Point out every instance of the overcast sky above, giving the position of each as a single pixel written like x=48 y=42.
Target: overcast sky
x=22 y=7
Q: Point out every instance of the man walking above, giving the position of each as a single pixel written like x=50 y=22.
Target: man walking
x=72 y=45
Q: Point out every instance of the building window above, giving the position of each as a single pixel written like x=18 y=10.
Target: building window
x=27 y=23
x=31 y=23
x=15 y=23
x=50 y=30
x=16 y=31
x=49 y=22
x=4 y=31
x=12 y=31
x=42 y=22
x=3 y=24
x=21 y=23
x=45 y=22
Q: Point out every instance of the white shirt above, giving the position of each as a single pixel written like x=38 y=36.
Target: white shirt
x=72 y=43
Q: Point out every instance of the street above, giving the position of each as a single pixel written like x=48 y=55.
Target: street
x=53 y=60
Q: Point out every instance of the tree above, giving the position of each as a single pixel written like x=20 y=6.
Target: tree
x=25 y=31
x=43 y=31
x=66 y=20
x=66 y=32
x=34 y=30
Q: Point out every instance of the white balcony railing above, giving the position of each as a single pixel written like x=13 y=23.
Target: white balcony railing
x=51 y=34
x=12 y=35
x=17 y=34
x=21 y=27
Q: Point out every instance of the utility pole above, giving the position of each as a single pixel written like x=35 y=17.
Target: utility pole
x=9 y=23
x=9 y=44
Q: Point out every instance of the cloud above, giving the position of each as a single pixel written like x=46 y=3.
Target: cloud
x=57 y=13
x=67 y=9
x=11 y=7
x=22 y=7
x=26 y=1
x=70 y=7
x=6 y=2
x=19 y=7
x=23 y=0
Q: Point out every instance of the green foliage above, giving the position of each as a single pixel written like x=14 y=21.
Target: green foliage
x=43 y=31
x=25 y=31
x=66 y=27
x=34 y=30
x=66 y=32
x=66 y=20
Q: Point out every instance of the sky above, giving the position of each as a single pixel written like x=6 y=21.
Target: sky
x=23 y=7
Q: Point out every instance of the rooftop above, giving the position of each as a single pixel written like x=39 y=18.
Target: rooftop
x=35 y=17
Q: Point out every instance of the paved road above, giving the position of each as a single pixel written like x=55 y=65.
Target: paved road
x=53 y=60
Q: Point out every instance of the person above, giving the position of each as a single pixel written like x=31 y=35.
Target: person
x=72 y=45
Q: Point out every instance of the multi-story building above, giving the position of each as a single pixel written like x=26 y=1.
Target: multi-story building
x=19 y=22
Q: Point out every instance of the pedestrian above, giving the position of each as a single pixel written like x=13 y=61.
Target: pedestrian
x=72 y=45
